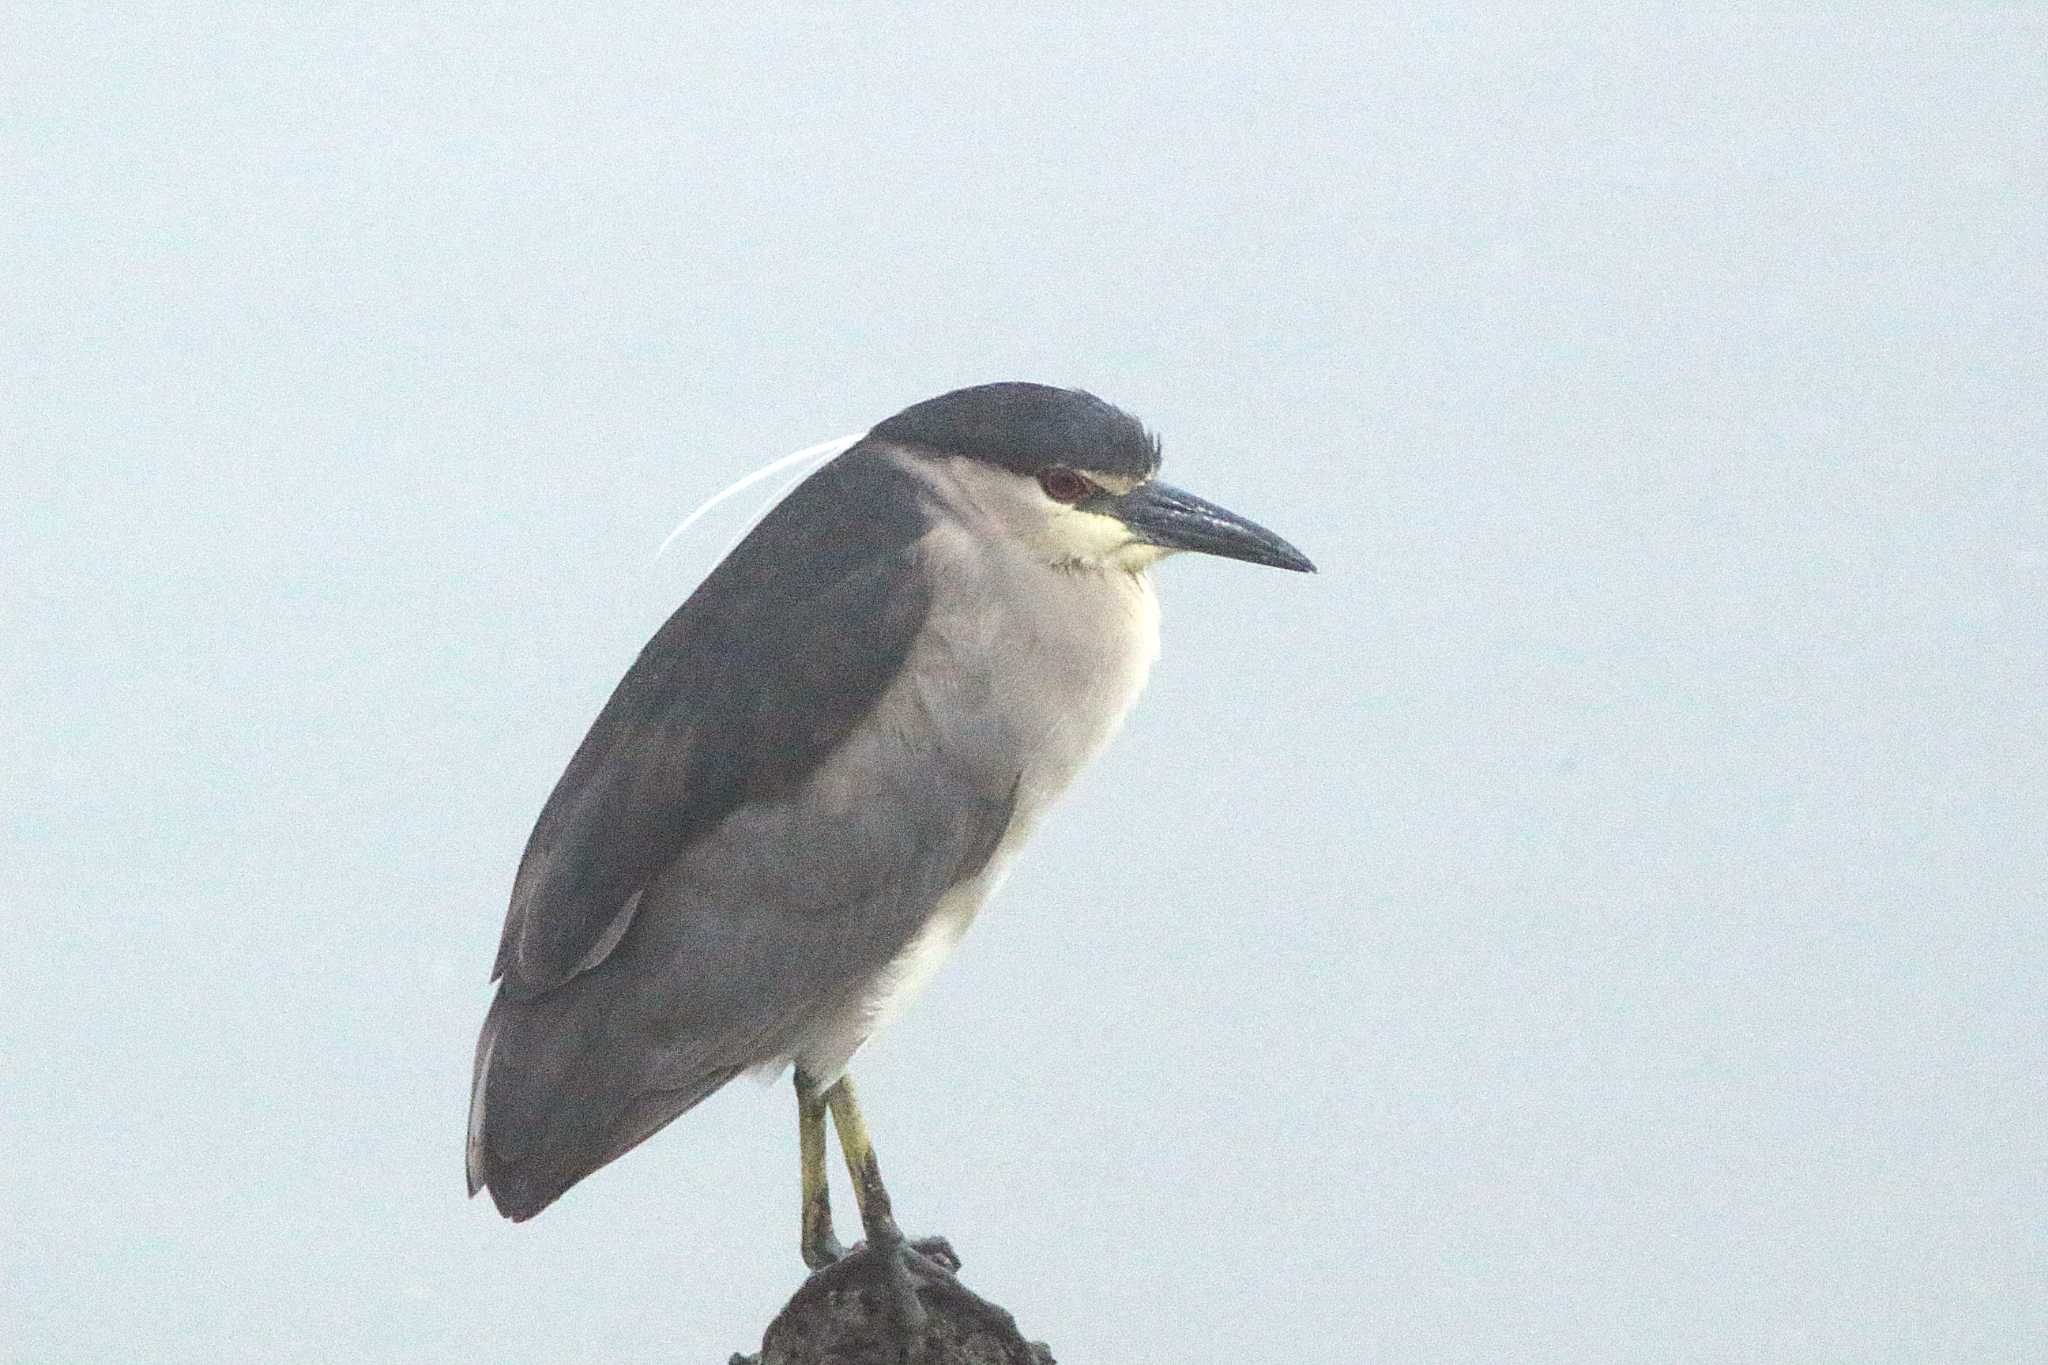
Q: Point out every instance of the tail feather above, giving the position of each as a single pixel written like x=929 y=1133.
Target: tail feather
x=473 y=1149
x=553 y=1099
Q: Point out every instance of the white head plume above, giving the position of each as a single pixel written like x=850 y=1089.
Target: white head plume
x=810 y=457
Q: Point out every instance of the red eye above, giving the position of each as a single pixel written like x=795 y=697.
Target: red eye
x=1064 y=485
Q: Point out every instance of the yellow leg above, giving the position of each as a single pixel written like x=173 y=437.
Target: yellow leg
x=820 y=1247
x=876 y=1217
x=932 y=1258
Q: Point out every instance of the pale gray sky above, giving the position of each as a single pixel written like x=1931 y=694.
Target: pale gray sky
x=1598 y=919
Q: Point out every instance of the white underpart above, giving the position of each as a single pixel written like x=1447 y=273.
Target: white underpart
x=917 y=964
x=809 y=456
x=1045 y=605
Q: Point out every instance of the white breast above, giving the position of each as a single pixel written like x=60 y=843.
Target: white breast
x=1042 y=666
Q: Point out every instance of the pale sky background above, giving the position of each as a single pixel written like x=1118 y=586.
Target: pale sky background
x=1600 y=918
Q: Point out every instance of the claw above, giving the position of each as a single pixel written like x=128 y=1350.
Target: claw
x=911 y=1293
x=938 y=1250
x=896 y=1273
x=823 y=1252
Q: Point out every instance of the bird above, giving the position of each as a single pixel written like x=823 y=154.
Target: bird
x=814 y=776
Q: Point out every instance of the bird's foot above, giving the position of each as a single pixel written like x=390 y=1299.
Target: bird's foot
x=905 y=1277
x=823 y=1250
x=939 y=1252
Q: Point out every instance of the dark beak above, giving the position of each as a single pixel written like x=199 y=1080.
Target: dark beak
x=1165 y=516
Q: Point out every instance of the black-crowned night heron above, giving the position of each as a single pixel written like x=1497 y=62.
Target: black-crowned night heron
x=816 y=773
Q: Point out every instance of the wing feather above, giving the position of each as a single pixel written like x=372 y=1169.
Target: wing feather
x=745 y=690
x=691 y=903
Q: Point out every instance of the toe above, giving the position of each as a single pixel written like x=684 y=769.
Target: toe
x=939 y=1250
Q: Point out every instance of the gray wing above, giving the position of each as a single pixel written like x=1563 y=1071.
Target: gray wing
x=737 y=698
x=697 y=891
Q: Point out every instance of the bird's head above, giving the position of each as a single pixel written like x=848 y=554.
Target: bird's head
x=1074 y=477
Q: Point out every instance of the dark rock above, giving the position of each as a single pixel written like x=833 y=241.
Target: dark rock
x=844 y=1315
